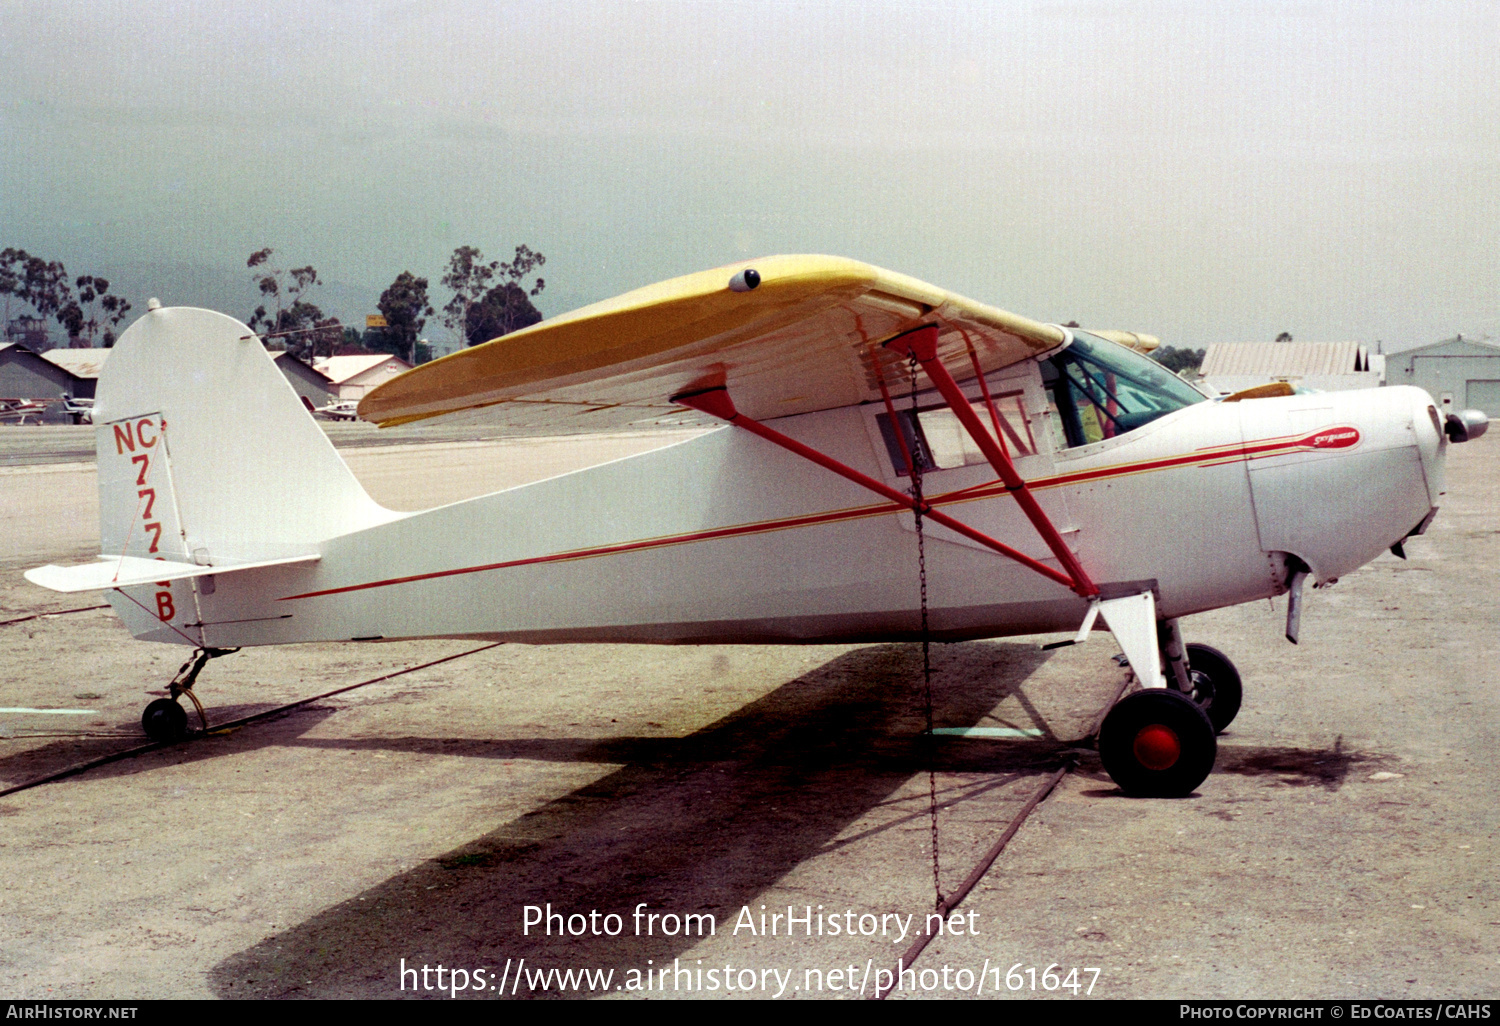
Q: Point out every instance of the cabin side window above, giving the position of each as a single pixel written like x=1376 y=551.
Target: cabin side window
x=1098 y=390
x=935 y=439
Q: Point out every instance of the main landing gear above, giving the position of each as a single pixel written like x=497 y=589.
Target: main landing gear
x=1157 y=744
x=164 y=720
x=1161 y=742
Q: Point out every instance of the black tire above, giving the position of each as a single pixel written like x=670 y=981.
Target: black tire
x=1216 y=685
x=1157 y=743
x=164 y=721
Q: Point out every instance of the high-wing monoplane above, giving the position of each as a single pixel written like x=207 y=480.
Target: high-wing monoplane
x=1052 y=476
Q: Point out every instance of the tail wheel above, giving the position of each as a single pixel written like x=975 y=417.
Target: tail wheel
x=1157 y=743
x=164 y=721
x=1216 y=685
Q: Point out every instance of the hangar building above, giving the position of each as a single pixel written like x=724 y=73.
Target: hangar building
x=312 y=385
x=1459 y=373
x=26 y=376
x=353 y=376
x=1325 y=366
x=83 y=364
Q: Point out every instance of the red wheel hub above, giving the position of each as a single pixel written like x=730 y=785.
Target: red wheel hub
x=1157 y=747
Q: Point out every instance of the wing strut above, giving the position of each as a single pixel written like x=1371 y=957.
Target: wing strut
x=716 y=403
x=921 y=344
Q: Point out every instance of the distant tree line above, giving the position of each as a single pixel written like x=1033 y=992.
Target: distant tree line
x=488 y=300
x=1178 y=360
x=89 y=314
x=287 y=316
x=491 y=299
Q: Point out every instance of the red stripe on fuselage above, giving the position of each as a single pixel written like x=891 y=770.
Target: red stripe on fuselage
x=762 y=527
x=1206 y=457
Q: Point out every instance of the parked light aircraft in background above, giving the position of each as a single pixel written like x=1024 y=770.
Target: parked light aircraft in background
x=345 y=409
x=1059 y=476
x=19 y=410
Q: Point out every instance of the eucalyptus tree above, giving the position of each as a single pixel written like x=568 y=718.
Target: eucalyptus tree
x=406 y=308
x=468 y=277
x=507 y=306
x=294 y=315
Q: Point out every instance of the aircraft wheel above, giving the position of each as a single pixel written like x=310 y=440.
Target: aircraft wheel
x=164 y=721
x=1216 y=685
x=1157 y=743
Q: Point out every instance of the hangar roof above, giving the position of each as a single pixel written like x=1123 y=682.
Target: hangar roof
x=81 y=363
x=342 y=369
x=1284 y=358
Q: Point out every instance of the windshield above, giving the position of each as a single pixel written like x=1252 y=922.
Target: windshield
x=1100 y=390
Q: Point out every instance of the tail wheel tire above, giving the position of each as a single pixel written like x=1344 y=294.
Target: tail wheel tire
x=1216 y=685
x=164 y=721
x=1157 y=743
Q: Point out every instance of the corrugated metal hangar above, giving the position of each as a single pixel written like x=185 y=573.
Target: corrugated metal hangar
x=1326 y=366
x=1459 y=373
x=312 y=385
x=27 y=377
x=83 y=364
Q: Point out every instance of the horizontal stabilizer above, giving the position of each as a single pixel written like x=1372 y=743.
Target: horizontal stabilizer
x=125 y=571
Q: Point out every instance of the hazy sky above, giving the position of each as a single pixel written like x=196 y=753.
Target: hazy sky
x=1207 y=171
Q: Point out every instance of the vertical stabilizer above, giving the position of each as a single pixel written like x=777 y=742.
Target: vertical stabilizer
x=207 y=456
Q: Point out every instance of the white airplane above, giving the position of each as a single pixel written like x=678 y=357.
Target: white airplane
x=343 y=409
x=1057 y=474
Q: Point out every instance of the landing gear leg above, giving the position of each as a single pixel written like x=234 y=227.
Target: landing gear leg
x=1156 y=743
x=164 y=720
x=1202 y=673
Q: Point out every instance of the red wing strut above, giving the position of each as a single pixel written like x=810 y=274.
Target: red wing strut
x=922 y=345
x=716 y=403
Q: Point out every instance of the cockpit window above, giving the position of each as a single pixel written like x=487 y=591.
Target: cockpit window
x=935 y=439
x=1100 y=390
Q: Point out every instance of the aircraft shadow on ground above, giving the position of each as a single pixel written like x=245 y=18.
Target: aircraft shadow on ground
x=1327 y=768
x=61 y=752
x=703 y=823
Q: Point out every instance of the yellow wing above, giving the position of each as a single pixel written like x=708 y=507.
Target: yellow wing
x=806 y=338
